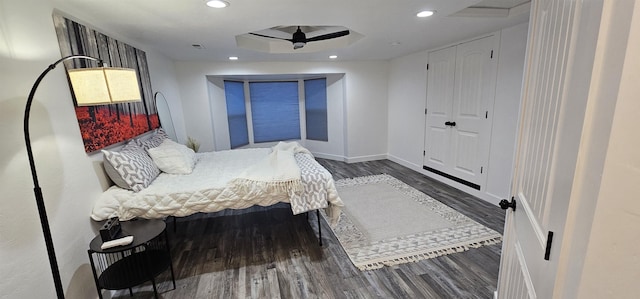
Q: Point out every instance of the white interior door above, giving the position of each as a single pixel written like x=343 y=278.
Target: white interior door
x=440 y=80
x=472 y=100
x=549 y=139
x=460 y=94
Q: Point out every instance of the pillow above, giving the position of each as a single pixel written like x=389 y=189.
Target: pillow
x=161 y=132
x=172 y=157
x=154 y=140
x=113 y=173
x=131 y=167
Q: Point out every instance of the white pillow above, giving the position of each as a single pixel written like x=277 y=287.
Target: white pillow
x=172 y=157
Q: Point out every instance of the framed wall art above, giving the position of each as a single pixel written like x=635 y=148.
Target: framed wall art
x=105 y=125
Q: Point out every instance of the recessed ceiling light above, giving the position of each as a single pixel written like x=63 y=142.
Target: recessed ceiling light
x=425 y=13
x=217 y=3
x=333 y=56
x=233 y=57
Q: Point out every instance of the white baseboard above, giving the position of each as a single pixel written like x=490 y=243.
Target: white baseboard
x=329 y=156
x=495 y=294
x=405 y=163
x=366 y=158
x=490 y=198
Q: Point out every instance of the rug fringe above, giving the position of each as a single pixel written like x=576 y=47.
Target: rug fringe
x=246 y=185
x=428 y=255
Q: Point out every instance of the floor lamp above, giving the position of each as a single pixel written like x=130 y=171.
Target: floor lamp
x=91 y=86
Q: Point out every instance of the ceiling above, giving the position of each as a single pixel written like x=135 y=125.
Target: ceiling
x=388 y=28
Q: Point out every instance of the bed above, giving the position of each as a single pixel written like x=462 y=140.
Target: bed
x=214 y=181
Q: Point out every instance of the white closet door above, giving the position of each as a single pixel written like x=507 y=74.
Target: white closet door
x=460 y=93
x=472 y=100
x=440 y=82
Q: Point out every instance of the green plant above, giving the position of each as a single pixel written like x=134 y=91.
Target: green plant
x=193 y=144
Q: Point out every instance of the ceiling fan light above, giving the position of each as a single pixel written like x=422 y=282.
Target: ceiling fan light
x=298 y=45
x=425 y=13
x=217 y=3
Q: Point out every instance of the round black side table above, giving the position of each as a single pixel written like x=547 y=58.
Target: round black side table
x=123 y=267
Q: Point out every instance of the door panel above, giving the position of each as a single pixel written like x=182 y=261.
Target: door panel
x=440 y=96
x=519 y=281
x=540 y=184
x=439 y=147
x=470 y=61
x=465 y=145
x=472 y=99
x=442 y=65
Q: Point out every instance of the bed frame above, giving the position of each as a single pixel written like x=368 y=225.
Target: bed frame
x=175 y=226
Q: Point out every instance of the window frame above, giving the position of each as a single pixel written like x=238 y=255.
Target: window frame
x=301 y=110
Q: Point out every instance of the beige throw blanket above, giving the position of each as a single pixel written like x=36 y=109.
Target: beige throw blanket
x=278 y=171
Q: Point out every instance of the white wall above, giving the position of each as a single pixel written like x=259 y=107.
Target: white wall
x=163 y=79
x=506 y=111
x=599 y=253
x=217 y=100
x=407 y=101
x=336 y=121
x=70 y=179
x=365 y=94
x=615 y=239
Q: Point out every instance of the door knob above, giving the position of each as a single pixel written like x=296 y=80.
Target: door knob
x=505 y=204
x=450 y=123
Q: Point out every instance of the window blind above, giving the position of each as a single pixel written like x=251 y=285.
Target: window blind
x=236 y=113
x=275 y=111
x=315 y=102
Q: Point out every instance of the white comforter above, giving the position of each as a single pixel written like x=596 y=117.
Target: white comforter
x=234 y=179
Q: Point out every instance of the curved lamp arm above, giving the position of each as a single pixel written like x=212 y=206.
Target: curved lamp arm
x=36 y=189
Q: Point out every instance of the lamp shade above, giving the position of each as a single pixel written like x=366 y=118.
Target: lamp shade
x=104 y=85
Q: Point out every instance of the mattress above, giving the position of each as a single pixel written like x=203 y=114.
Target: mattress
x=212 y=187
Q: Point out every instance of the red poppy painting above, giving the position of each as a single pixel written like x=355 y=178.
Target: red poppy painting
x=102 y=126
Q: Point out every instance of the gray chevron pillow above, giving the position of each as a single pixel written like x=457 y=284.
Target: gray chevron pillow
x=134 y=168
x=152 y=141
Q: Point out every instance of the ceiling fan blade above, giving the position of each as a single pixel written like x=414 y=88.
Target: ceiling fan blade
x=275 y=37
x=328 y=36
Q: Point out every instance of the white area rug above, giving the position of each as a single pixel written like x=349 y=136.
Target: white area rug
x=387 y=222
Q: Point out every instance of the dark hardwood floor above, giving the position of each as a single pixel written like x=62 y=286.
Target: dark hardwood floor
x=266 y=252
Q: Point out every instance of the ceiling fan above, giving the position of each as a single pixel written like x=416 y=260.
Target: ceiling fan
x=299 y=39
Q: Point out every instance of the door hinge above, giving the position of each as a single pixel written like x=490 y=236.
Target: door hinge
x=424 y=153
x=486 y=114
x=547 y=251
x=491 y=54
x=481 y=169
x=425 y=110
x=427 y=66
